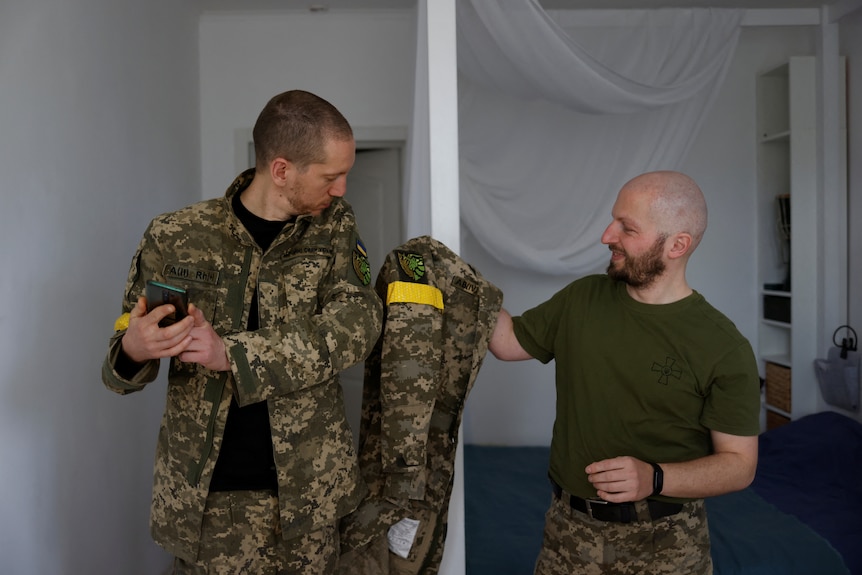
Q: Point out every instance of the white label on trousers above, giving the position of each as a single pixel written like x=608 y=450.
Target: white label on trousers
x=401 y=536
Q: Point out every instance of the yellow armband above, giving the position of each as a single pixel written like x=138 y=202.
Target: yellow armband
x=122 y=322
x=408 y=292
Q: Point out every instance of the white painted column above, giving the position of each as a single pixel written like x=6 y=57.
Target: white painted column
x=832 y=237
x=443 y=122
x=445 y=212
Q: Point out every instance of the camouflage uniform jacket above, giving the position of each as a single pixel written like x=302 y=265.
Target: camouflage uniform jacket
x=318 y=315
x=438 y=320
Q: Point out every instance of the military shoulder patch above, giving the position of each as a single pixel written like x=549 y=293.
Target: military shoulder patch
x=412 y=267
x=360 y=263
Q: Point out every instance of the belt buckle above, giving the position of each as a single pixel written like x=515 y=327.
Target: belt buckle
x=591 y=502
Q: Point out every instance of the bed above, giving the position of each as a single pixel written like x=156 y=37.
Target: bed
x=801 y=515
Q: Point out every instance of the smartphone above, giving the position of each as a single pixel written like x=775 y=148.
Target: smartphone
x=160 y=294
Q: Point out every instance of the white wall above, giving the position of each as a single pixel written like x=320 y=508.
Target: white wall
x=362 y=62
x=513 y=404
x=98 y=133
x=851 y=45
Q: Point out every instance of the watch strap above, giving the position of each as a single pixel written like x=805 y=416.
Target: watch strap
x=657 y=479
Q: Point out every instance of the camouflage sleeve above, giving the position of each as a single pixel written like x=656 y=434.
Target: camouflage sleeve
x=409 y=380
x=312 y=350
x=111 y=377
x=121 y=384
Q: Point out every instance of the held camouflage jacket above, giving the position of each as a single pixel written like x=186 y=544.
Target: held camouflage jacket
x=438 y=320
x=318 y=315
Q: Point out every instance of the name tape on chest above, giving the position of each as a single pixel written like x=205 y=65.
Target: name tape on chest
x=178 y=271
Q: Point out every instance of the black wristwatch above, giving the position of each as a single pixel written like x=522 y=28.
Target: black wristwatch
x=657 y=479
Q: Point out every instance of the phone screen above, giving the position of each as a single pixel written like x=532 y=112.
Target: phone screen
x=159 y=294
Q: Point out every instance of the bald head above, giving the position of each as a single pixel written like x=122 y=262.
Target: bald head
x=676 y=203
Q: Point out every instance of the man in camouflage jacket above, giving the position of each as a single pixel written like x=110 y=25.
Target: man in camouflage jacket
x=438 y=319
x=317 y=315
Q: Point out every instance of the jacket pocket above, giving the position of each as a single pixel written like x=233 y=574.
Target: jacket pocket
x=300 y=287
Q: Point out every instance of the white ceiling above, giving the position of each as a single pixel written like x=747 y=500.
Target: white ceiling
x=614 y=4
x=338 y=5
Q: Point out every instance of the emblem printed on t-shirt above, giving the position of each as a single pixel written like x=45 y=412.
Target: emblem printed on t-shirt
x=667 y=370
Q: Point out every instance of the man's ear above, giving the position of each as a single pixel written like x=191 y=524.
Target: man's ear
x=281 y=171
x=680 y=245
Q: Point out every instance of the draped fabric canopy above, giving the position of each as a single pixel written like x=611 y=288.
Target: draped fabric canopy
x=555 y=115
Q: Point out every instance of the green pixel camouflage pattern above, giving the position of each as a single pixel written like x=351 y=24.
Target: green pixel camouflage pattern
x=317 y=317
x=424 y=557
x=243 y=534
x=417 y=379
x=674 y=545
x=373 y=557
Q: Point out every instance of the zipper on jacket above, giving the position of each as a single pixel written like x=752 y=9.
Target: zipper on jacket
x=215 y=387
x=212 y=394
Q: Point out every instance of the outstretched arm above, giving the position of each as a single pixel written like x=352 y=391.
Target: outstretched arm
x=504 y=345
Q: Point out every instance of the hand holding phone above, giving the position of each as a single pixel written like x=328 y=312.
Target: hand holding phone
x=159 y=294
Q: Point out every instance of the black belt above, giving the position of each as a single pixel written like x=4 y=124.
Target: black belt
x=616 y=512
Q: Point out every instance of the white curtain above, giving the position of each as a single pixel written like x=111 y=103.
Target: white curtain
x=557 y=113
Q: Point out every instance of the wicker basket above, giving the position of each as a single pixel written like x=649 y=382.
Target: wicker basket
x=778 y=386
x=774 y=420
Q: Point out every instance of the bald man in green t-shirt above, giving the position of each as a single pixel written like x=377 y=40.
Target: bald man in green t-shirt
x=658 y=395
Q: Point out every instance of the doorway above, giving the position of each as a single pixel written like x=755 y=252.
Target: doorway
x=374 y=190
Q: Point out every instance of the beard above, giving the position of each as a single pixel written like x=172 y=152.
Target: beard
x=304 y=202
x=639 y=271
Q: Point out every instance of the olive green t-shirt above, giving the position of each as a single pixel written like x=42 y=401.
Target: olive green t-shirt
x=648 y=381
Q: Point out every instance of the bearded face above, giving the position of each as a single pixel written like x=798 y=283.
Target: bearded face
x=638 y=271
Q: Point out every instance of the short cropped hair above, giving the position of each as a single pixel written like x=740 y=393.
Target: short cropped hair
x=295 y=125
x=678 y=204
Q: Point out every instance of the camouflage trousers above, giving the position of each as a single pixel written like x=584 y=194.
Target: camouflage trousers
x=424 y=557
x=576 y=543
x=241 y=534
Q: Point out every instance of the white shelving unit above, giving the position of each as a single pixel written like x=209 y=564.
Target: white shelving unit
x=788 y=163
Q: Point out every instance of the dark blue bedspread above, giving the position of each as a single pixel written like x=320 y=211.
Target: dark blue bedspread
x=750 y=536
x=805 y=503
x=812 y=469
x=506 y=494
